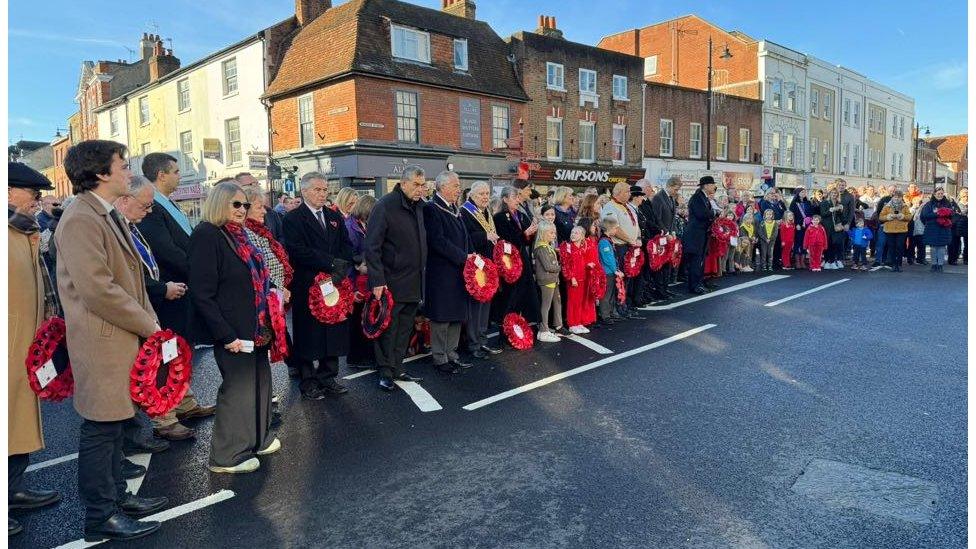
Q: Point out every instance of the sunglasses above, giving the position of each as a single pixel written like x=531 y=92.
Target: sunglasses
x=238 y=205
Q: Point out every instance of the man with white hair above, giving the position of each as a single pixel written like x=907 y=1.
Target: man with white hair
x=628 y=233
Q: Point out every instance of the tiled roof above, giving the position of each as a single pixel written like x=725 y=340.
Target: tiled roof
x=355 y=38
x=951 y=147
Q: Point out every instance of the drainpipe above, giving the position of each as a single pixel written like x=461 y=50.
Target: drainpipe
x=643 y=120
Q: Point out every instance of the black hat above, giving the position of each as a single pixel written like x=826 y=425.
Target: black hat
x=635 y=190
x=535 y=195
x=707 y=180
x=521 y=183
x=25 y=177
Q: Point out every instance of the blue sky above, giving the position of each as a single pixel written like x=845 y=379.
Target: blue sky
x=914 y=47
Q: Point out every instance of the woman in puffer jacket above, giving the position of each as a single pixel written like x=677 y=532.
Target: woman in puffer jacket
x=937 y=215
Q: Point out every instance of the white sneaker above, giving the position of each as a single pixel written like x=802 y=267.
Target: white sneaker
x=248 y=466
x=548 y=337
x=583 y=330
x=578 y=330
x=272 y=448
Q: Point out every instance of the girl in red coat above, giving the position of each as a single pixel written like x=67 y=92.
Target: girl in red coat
x=575 y=257
x=815 y=241
x=718 y=242
x=787 y=234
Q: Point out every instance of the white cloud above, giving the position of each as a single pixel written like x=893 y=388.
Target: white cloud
x=948 y=77
x=64 y=38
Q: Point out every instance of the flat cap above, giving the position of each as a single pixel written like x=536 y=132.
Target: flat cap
x=23 y=176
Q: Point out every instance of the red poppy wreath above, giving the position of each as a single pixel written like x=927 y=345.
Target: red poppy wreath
x=377 y=314
x=658 y=253
x=158 y=401
x=508 y=260
x=480 y=278
x=596 y=283
x=675 y=252
x=334 y=307
x=633 y=261
x=279 y=347
x=49 y=346
x=517 y=331
x=944 y=217
x=621 y=290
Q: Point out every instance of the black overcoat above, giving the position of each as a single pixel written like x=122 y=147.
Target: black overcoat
x=662 y=208
x=170 y=247
x=522 y=296
x=220 y=288
x=477 y=234
x=700 y=218
x=396 y=246
x=448 y=247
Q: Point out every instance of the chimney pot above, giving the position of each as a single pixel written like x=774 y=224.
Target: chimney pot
x=553 y=22
x=542 y=21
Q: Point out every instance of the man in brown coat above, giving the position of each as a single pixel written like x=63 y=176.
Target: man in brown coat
x=106 y=311
x=25 y=295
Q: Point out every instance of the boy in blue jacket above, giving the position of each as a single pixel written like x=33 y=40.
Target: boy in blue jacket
x=608 y=305
x=860 y=237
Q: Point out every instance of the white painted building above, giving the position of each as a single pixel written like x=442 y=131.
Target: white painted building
x=783 y=74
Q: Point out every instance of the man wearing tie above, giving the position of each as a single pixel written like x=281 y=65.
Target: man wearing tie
x=167 y=232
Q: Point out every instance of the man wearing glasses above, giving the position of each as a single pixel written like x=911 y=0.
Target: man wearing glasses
x=167 y=232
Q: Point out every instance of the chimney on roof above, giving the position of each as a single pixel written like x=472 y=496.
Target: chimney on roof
x=547 y=27
x=146 y=46
x=307 y=10
x=162 y=61
x=460 y=8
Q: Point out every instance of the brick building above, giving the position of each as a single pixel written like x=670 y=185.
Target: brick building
x=676 y=138
x=582 y=126
x=952 y=151
x=401 y=84
x=59 y=148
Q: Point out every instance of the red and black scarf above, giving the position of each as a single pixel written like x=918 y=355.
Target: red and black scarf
x=276 y=248
x=260 y=280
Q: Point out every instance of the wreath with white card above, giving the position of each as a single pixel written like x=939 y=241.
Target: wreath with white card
x=48 y=367
x=331 y=304
x=162 y=348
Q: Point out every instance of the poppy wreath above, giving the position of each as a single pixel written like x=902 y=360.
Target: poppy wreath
x=377 y=314
x=621 y=290
x=279 y=347
x=596 y=283
x=675 y=252
x=658 y=254
x=339 y=311
x=48 y=340
x=420 y=340
x=517 y=331
x=158 y=401
x=509 y=264
x=633 y=261
x=944 y=217
x=480 y=283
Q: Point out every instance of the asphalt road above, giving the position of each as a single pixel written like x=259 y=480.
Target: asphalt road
x=695 y=443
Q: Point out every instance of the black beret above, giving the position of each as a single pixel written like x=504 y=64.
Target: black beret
x=25 y=177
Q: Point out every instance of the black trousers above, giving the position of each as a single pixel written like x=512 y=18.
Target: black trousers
x=661 y=278
x=695 y=261
x=477 y=325
x=896 y=248
x=391 y=347
x=100 y=483
x=311 y=376
x=957 y=246
x=243 y=417
x=16 y=465
x=918 y=247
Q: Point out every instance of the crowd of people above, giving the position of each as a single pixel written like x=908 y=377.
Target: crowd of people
x=122 y=261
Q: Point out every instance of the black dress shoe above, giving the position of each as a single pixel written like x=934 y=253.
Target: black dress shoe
x=13 y=527
x=32 y=499
x=407 y=377
x=150 y=445
x=710 y=286
x=461 y=364
x=334 y=387
x=490 y=350
x=480 y=354
x=699 y=291
x=448 y=368
x=387 y=384
x=132 y=470
x=121 y=527
x=312 y=393
x=139 y=506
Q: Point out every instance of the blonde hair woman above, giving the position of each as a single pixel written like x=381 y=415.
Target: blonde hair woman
x=346 y=200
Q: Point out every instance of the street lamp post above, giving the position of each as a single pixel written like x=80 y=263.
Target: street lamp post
x=918 y=148
x=726 y=54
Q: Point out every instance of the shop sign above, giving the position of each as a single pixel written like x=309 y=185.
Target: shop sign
x=577 y=175
x=371 y=125
x=257 y=162
x=211 y=148
x=187 y=192
x=741 y=181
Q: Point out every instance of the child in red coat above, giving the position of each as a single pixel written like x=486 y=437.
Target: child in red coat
x=575 y=257
x=787 y=235
x=815 y=241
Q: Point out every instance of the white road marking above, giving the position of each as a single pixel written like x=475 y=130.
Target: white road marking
x=878 y=268
x=134 y=484
x=420 y=396
x=591 y=344
x=367 y=372
x=808 y=292
x=168 y=514
x=51 y=462
x=716 y=293
x=586 y=367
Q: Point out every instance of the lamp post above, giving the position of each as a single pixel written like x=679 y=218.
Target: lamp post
x=918 y=147
x=726 y=54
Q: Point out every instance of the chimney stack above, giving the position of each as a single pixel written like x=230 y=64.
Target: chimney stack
x=460 y=8
x=146 y=46
x=307 y=10
x=162 y=61
x=547 y=27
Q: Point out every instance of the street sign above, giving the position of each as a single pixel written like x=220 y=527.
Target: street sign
x=274 y=171
x=289 y=186
x=257 y=161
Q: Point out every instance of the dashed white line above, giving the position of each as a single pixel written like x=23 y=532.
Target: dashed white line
x=424 y=400
x=591 y=344
x=568 y=373
x=808 y=292
x=716 y=293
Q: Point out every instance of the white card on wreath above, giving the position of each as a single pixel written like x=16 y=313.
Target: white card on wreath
x=46 y=374
x=507 y=248
x=247 y=346
x=170 y=350
x=327 y=288
x=478 y=262
x=662 y=241
x=734 y=241
x=518 y=331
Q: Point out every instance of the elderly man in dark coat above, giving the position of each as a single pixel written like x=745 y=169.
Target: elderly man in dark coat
x=396 y=255
x=700 y=218
x=448 y=245
x=663 y=206
x=317 y=242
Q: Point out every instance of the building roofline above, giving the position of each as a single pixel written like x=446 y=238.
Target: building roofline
x=697 y=90
x=601 y=51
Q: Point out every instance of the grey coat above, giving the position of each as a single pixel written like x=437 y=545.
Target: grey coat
x=546 y=264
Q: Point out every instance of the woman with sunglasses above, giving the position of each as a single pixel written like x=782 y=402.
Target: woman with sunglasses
x=230 y=286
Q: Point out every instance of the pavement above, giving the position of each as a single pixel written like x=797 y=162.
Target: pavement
x=686 y=429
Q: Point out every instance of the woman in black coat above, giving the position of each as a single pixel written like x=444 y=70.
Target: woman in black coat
x=482 y=233
x=230 y=313
x=519 y=231
x=832 y=218
x=937 y=236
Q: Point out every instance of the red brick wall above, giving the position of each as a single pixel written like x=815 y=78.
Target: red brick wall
x=62 y=186
x=685 y=106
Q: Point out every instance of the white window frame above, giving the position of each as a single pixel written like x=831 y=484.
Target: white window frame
x=144 y=113
x=814 y=102
x=789 y=154
x=650 y=65
x=558 y=139
x=814 y=150
x=621 y=144
x=496 y=117
x=144 y=149
x=776 y=93
x=692 y=140
x=847 y=112
x=901 y=166
x=901 y=128
x=183 y=95
x=856 y=120
x=669 y=138
x=592 y=143
x=554 y=72
x=828 y=106
x=229 y=83
x=302 y=142
x=882 y=122
x=826 y=156
x=745 y=145
x=463 y=44
x=113 y=122
x=855 y=159
x=587 y=90
x=894 y=125
x=721 y=145
x=398 y=48
x=186 y=152
x=790 y=97
x=231 y=161
x=398 y=116
x=845 y=157
x=620 y=82
x=774 y=146
x=894 y=164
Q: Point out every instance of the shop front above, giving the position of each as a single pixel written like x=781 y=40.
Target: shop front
x=784 y=178
x=581 y=176
x=189 y=198
x=744 y=178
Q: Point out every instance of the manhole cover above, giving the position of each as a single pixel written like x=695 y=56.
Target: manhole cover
x=878 y=492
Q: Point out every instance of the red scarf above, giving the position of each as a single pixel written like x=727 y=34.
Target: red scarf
x=260 y=280
x=276 y=248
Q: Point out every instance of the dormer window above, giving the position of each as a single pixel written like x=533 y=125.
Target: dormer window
x=460 y=54
x=412 y=44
